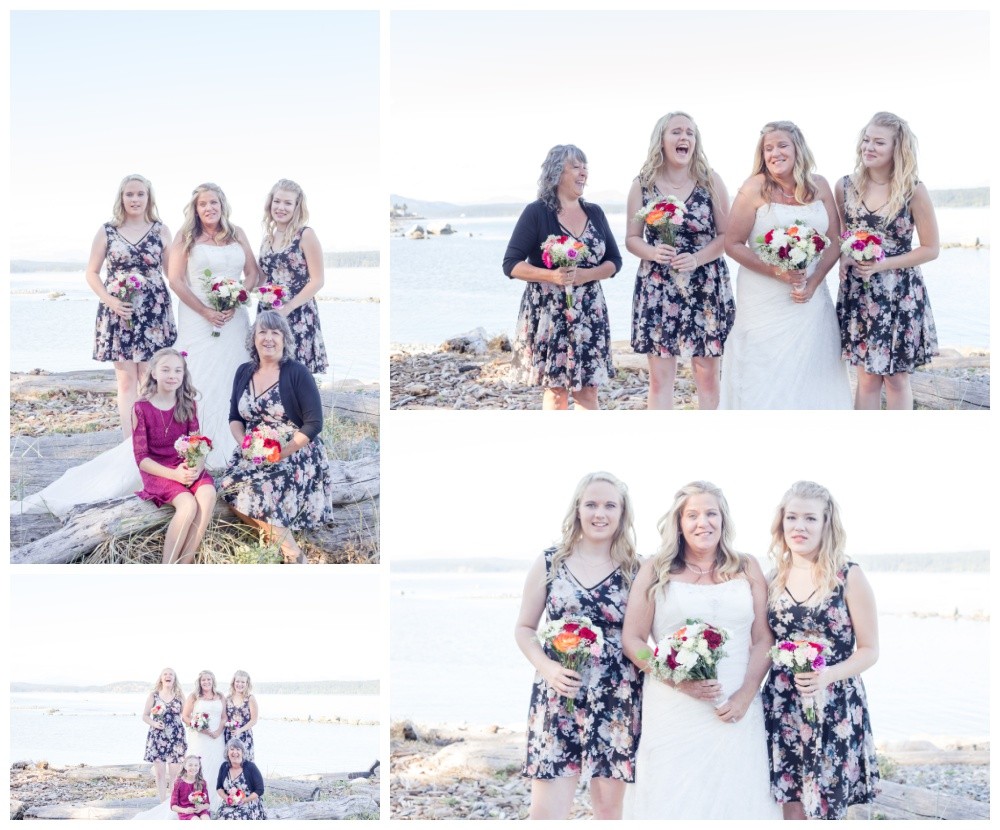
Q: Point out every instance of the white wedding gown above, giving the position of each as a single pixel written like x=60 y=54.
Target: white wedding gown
x=212 y=362
x=212 y=751
x=690 y=764
x=782 y=354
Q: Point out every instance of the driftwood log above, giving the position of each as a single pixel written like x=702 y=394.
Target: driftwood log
x=896 y=801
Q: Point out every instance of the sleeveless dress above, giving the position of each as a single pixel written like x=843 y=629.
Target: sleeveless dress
x=830 y=764
x=691 y=764
x=287 y=268
x=886 y=325
x=239 y=715
x=212 y=751
x=599 y=738
x=296 y=492
x=155 y=432
x=167 y=744
x=152 y=324
x=246 y=811
x=560 y=347
x=683 y=315
x=782 y=354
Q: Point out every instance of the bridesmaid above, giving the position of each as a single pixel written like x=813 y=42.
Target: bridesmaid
x=241 y=712
x=683 y=302
x=165 y=743
x=886 y=326
x=816 y=592
x=135 y=241
x=291 y=256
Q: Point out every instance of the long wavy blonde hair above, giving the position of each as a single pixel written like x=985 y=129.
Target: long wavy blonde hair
x=118 y=211
x=191 y=229
x=805 y=164
x=186 y=395
x=669 y=558
x=623 y=548
x=299 y=216
x=903 y=177
x=831 y=558
x=698 y=165
x=232 y=683
x=177 y=690
x=215 y=683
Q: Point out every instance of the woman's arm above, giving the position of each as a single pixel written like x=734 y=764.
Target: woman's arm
x=220 y=779
x=177 y=276
x=146 y=717
x=717 y=247
x=309 y=401
x=803 y=291
x=635 y=231
x=98 y=252
x=246 y=727
x=526 y=240
x=927 y=230
x=188 y=709
x=238 y=426
x=167 y=240
x=255 y=780
x=313 y=253
x=639 y=618
x=864 y=619
x=737 y=239
x=251 y=271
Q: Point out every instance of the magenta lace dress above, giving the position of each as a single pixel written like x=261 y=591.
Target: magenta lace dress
x=155 y=432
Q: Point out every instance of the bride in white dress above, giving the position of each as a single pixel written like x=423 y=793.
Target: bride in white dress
x=702 y=750
x=784 y=349
x=209 y=745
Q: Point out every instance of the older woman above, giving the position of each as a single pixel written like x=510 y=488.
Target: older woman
x=784 y=349
x=240 y=786
x=563 y=340
x=274 y=391
x=131 y=326
x=704 y=737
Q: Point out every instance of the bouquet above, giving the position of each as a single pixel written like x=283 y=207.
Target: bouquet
x=862 y=245
x=224 y=294
x=234 y=797
x=791 y=248
x=262 y=445
x=233 y=724
x=125 y=287
x=193 y=448
x=574 y=640
x=271 y=296
x=692 y=652
x=198 y=798
x=799 y=656
x=158 y=712
x=663 y=217
x=563 y=252
x=199 y=721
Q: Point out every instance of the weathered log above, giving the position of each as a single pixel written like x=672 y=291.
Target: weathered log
x=897 y=801
x=16 y=810
x=933 y=391
x=93 y=810
x=334 y=809
x=128 y=772
x=299 y=790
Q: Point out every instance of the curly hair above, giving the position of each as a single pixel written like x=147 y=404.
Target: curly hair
x=299 y=216
x=552 y=170
x=192 y=229
x=178 y=692
x=275 y=322
x=805 y=164
x=698 y=165
x=903 y=177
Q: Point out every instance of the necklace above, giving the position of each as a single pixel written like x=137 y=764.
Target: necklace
x=698 y=570
x=164 y=421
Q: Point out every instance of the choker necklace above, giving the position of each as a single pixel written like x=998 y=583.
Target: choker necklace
x=698 y=570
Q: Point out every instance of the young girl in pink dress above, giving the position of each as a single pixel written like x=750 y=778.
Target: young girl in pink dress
x=189 y=782
x=164 y=412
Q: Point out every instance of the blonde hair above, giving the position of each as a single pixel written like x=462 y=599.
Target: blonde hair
x=805 y=164
x=205 y=673
x=185 y=408
x=903 y=177
x=698 y=164
x=623 y=548
x=199 y=777
x=118 y=211
x=177 y=690
x=831 y=557
x=670 y=556
x=232 y=683
x=299 y=216
x=192 y=229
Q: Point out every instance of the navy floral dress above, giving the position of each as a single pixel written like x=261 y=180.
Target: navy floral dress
x=829 y=764
x=600 y=736
x=683 y=315
x=239 y=715
x=296 y=492
x=167 y=744
x=152 y=324
x=287 y=268
x=556 y=346
x=244 y=811
x=886 y=325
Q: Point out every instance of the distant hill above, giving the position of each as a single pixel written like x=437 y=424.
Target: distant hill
x=486 y=565
x=331 y=259
x=967 y=197
x=292 y=687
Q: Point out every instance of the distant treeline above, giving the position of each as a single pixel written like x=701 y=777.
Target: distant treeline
x=331 y=259
x=292 y=687
x=966 y=197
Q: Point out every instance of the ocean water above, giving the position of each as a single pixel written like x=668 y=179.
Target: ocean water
x=444 y=285
x=454 y=660
x=349 y=321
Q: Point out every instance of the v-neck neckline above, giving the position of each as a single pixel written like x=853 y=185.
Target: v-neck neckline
x=596 y=585
x=136 y=244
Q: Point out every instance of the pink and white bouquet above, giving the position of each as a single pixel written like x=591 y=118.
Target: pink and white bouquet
x=233 y=724
x=271 y=296
x=158 y=712
x=234 y=796
x=575 y=641
x=224 y=293
x=193 y=448
x=564 y=252
x=125 y=287
x=692 y=652
x=797 y=656
x=198 y=798
x=791 y=248
x=862 y=245
x=262 y=445
x=199 y=721
x=663 y=217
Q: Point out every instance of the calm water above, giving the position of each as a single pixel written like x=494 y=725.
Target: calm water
x=444 y=285
x=454 y=659
x=74 y=728
x=350 y=325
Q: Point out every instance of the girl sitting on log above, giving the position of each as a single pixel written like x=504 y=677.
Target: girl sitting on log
x=191 y=783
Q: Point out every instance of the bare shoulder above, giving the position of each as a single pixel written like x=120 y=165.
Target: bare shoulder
x=752 y=189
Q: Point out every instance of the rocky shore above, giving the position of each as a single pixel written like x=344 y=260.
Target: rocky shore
x=474 y=773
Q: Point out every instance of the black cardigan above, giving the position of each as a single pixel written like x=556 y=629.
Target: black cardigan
x=255 y=781
x=538 y=221
x=299 y=396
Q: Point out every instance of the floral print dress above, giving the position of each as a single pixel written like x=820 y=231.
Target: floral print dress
x=557 y=346
x=829 y=764
x=886 y=325
x=239 y=715
x=287 y=268
x=296 y=492
x=600 y=736
x=152 y=325
x=167 y=744
x=245 y=810
x=683 y=315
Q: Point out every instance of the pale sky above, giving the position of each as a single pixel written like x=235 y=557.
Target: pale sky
x=238 y=98
x=477 y=99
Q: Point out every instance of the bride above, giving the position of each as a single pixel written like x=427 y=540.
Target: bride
x=207 y=241
x=784 y=349
x=207 y=744
x=703 y=751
